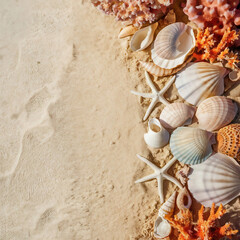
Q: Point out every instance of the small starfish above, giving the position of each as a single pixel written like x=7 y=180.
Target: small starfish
x=160 y=174
x=157 y=96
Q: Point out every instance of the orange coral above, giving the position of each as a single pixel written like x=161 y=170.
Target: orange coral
x=209 y=48
x=204 y=229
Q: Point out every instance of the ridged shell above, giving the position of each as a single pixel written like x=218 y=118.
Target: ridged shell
x=176 y=114
x=162 y=72
x=184 y=199
x=217 y=180
x=143 y=37
x=191 y=145
x=228 y=139
x=172 y=45
x=168 y=207
x=157 y=136
x=127 y=31
x=215 y=112
x=201 y=80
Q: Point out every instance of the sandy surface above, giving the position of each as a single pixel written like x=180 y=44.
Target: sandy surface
x=71 y=129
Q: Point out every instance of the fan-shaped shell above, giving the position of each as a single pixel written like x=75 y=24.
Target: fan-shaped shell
x=217 y=180
x=172 y=45
x=191 y=145
x=201 y=80
x=176 y=114
x=168 y=207
x=143 y=37
x=215 y=112
x=228 y=139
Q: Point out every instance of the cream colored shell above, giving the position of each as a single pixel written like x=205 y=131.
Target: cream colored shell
x=168 y=207
x=127 y=31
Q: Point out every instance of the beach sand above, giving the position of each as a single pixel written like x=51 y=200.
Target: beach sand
x=71 y=129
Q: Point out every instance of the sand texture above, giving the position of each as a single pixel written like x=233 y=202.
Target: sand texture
x=71 y=129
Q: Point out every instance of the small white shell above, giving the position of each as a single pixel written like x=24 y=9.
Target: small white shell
x=157 y=136
x=162 y=228
x=184 y=199
x=191 y=145
x=216 y=112
x=127 y=31
x=176 y=114
x=201 y=80
x=143 y=37
x=168 y=207
x=172 y=45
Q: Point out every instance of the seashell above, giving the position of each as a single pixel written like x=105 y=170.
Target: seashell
x=162 y=72
x=157 y=136
x=176 y=114
x=184 y=199
x=172 y=45
x=216 y=112
x=162 y=228
x=170 y=17
x=201 y=80
x=217 y=180
x=127 y=31
x=191 y=145
x=143 y=37
x=168 y=207
x=234 y=76
x=228 y=139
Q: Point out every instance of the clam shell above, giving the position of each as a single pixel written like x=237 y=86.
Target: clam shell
x=184 y=199
x=215 y=112
x=162 y=228
x=176 y=114
x=217 y=180
x=228 y=139
x=172 y=45
x=127 y=31
x=143 y=37
x=168 y=207
x=157 y=136
x=191 y=145
x=201 y=80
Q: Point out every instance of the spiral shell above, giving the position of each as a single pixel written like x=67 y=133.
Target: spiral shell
x=228 y=139
x=127 y=31
x=168 y=207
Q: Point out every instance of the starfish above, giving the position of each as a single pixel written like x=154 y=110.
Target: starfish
x=157 y=96
x=160 y=174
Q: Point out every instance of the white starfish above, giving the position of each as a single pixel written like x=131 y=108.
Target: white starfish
x=157 y=96
x=160 y=174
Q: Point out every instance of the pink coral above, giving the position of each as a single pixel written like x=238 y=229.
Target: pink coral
x=137 y=12
x=217 y=15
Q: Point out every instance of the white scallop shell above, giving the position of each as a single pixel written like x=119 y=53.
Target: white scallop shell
x=168 y=207
x=157 y=136
x=162 y=228
x=172 y=45
x=217 y=180
x=184 y=199
x=216 y=112
x=176 y=114
x=127 y=31
x=191 y=145
x=201 y=80
x=143 y=37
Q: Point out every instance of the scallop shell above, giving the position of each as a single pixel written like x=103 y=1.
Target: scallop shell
x=216 y=112
x=228 y=139
x=217 y=180
x=184 y=199
x=127 y=31
x=172 y=45
x=157 y=136
x=201 y=80
x=162 y=228
x=168 y=207
x=191 y=145
x=143 y=37
x=176 y=114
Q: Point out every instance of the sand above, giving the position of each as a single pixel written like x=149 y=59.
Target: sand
x=71 y=129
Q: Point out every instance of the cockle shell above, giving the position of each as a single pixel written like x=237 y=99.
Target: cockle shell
x=172 y=45
x=157 y=136
x=217 y=180
x=215 y=112
x=162 y=72
x=176 y=114
x=143 y=37
x=168 y=207
x=191 y=145
x=228 y=139
x=201 y=80
x=184 y=199
x=127 y=31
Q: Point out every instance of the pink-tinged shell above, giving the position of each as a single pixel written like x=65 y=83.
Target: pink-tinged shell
x=216 y=112
x=176 y=114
